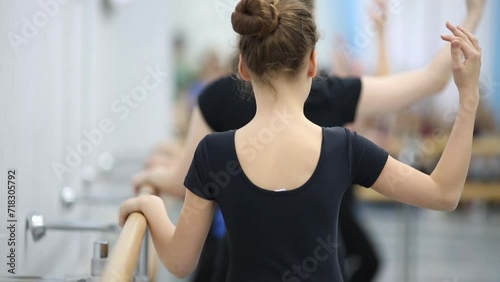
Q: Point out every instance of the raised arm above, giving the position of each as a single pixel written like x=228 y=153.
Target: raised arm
x=171 y=180
x=394 y=92
x=179 y=247
x=441 y=190
x=379 y=16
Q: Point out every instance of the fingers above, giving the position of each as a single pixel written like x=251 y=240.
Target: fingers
x=124 y=213
x=456 y=55
x=150 y=179
x=139 y=179
x=457 y=32
x=467 y=48
x=468 y=42
x=378 y=12
x=382 y=4
x=123 y=220
x=450 y=38
x=146 y=190
x=129 y=206
x=472 y=38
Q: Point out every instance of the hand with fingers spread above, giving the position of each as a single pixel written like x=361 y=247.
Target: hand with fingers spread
x=466 y=58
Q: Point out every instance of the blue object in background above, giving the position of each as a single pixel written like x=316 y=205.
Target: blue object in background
x=218 y=225
x=352 y=7
x=344 y=21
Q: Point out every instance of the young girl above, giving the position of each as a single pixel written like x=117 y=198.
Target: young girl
x=279 y=179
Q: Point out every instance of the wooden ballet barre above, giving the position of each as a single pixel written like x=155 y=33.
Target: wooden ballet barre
x=489 y=192
x=122 y=263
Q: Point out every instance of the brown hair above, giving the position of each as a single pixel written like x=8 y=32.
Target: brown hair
x=276 y=36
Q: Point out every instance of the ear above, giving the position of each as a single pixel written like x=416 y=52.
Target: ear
x=313 y=65
x=242 y=69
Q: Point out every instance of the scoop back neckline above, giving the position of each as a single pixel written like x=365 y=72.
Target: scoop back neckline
x=301 y=188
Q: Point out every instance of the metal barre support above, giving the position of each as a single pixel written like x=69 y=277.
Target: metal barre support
x=69 y=198
x=37 y=226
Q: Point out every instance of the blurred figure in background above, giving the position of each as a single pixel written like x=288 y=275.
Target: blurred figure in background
x=190 y=81
x=210 y=69
x=485 y=167
x=361 y=258
x=485 y=120
x=184 y=77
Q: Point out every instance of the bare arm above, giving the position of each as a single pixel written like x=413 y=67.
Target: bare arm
x=380 y=20
x=442 y=189
x=383 y=65
x=341 y=66
x=394 y=92
x=171 y=181
x=179 y=248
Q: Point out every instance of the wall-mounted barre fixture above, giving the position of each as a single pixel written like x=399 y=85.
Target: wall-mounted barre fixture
x=38 y=227
x=36 y=224
x=105 y=163
x=117 y=167
x=70 y=198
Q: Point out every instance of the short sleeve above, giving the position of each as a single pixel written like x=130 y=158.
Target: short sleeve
x=197 y=180
x=367 y=160
x=346 y=93
x=211 y=100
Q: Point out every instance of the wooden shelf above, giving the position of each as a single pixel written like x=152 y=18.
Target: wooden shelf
x=481 y=146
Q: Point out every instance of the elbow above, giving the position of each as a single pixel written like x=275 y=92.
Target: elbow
x=180 y=274
x=179 y=270
x=449 y=202
x=179 y=191
x=450 y=205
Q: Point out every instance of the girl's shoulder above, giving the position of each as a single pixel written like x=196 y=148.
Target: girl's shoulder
x=336 y=134
x=219 y=137
x=217 y=143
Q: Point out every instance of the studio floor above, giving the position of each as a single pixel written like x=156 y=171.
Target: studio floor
x=417 y=245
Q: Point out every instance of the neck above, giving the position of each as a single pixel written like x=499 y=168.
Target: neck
x=286 y=96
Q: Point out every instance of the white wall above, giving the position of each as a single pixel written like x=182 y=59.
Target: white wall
x=61 y=80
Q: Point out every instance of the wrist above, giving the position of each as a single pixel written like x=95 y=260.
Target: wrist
x=466 y=91
x=473 y=18
x=381 y=31
x=469 y=99
x=147 y=202
x=475 y=13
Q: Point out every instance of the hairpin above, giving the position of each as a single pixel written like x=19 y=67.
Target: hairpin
x=301 y=24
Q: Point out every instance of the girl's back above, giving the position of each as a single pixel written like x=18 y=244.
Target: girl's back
x=281 y=158
x=282 y=235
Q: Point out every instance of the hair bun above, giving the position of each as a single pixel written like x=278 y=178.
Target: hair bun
x=255 y=17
